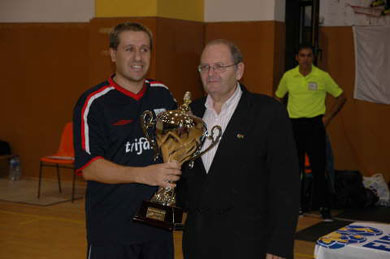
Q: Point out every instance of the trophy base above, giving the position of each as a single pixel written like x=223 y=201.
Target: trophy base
x=165 y=217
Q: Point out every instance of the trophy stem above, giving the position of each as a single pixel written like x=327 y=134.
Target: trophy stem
x=165 y=196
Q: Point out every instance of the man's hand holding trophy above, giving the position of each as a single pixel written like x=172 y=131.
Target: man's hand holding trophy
x=176 y=135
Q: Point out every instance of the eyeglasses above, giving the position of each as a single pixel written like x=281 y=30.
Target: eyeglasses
x=218 y=68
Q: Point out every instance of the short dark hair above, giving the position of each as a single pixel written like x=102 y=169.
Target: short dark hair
x=305 y=45
x=128 y=26
x=234 y=50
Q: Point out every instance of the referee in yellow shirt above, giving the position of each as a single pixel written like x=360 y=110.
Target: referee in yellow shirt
x=307 y=87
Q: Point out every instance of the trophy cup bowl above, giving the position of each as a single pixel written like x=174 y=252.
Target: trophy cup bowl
x=174 y=135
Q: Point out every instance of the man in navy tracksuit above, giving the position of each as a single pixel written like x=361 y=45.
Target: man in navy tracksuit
x=114 y=156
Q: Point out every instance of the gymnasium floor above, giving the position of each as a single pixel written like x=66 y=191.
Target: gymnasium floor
x=58 y=231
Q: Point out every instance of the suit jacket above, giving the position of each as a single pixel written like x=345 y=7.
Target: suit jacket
x=247 y=204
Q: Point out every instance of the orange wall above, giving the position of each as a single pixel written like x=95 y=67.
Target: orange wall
x=47 y=66
x=360 y=133
x=262 y=45
x=43 y=68
x=179 y=46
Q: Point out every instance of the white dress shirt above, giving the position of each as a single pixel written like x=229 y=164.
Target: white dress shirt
x=222 y=119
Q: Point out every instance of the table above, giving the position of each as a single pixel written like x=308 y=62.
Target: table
x=358 y=240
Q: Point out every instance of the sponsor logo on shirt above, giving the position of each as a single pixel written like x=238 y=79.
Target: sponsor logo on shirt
x=137 y=145
x=313 y=86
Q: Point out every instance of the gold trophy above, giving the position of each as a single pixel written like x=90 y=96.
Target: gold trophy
x=178 y=135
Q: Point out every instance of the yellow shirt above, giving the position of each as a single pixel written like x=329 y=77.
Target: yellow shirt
x=306 y=94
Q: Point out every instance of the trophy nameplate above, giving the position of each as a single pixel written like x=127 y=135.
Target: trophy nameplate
x=158 y=215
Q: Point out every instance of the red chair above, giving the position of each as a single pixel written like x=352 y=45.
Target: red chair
x=64 y=158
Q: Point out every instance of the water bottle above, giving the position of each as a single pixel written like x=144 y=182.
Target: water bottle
x=14 y=168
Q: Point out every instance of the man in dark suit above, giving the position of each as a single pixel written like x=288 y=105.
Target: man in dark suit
x=242 y=196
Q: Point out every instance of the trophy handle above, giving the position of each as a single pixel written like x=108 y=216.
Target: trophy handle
x=147 y=122
x=214 y=141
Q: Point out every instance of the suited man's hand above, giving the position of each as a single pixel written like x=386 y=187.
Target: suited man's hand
x=270 y=256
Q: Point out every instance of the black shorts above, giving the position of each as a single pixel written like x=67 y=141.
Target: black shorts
x=151 y=250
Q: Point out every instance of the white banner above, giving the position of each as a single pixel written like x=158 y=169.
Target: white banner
x=351 y=12
x=359 y=240
x=372 y=63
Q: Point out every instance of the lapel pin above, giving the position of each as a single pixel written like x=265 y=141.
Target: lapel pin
x=240 y=136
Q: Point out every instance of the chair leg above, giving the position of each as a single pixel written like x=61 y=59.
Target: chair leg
x=39 y=179
x=73 y=185
x=59 y=178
